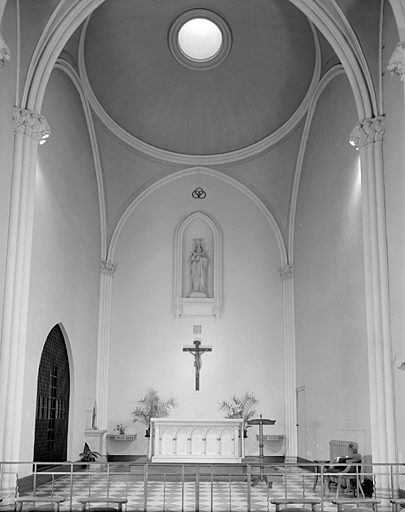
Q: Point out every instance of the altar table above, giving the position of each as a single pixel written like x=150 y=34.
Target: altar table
x=200 y=441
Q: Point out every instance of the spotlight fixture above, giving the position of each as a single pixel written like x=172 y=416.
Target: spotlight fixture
x=43 y=138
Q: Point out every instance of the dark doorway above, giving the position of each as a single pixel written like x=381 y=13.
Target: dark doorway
x=53 y=390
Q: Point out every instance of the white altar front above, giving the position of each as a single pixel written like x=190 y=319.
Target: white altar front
x=202 y=441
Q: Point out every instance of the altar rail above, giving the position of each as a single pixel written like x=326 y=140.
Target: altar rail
x=79 y=478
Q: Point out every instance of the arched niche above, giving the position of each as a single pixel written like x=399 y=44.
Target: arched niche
x=188 y=301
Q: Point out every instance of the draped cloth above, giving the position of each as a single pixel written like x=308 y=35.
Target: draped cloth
x=199 y=261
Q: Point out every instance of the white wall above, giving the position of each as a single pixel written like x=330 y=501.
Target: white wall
x=147 y=340
x=394 y=157
x=65 y=272
x=329 y=278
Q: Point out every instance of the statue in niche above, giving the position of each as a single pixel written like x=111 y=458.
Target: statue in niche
x=199 y=261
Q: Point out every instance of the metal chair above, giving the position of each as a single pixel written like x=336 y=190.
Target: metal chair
x=346 y=469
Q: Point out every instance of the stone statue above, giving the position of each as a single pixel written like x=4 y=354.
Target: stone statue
x=199 y=261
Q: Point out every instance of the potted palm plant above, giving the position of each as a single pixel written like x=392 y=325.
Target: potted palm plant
x=152 y=406
x=240 y=407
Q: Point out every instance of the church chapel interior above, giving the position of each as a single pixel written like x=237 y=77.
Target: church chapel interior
x=249 y=197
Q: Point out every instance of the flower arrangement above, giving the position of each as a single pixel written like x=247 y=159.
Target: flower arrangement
x=120 y=428
x=240 y=407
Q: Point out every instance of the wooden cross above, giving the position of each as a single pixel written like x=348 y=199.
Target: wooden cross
x=197 y=351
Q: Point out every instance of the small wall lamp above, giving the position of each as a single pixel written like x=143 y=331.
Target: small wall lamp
x=43 y=138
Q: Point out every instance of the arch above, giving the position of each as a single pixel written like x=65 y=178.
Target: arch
x=69 y=351
x=339 y=35
x=398 y=8
x=343 y=40
x=210 y=172
x=53 y=400
x=184 y=304
x=55 y=35
x=326 y=79
x=67 y=68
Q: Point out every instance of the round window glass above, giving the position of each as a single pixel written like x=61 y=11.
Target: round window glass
x=200 y=39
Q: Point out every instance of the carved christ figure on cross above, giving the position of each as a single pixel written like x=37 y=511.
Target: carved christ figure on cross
x=197 y=351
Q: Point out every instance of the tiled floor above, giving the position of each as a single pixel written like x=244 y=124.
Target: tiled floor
x=173 y=496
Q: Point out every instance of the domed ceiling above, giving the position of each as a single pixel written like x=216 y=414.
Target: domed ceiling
x=245 y=98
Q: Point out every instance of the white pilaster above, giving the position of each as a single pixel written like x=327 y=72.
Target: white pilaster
x=290 y=417
x=29 y=128
x=107 y=269
x=367 y=137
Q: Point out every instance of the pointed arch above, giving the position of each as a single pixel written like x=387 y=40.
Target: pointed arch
x=53 y=400
x=210 y=172
x=183 y=304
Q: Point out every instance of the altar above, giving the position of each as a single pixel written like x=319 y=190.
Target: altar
x=201 y=441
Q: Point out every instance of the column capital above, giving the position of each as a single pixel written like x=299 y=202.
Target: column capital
x=396 y=64
x=286 y=272
x=108 y=267
x=28 y=122
x=368 y=131
x=5 y=53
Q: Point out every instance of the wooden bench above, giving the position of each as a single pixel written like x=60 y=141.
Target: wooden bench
x=295 y=501
x=88 y=501
x=54 y=501
x=355 y=504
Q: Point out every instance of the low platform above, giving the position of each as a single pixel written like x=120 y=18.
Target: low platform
x=219 y=472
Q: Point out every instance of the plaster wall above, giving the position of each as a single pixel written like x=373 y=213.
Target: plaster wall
x=65 y=274
x=331 y=337
x=394 y=155
x=7 y=99
x=127 y=174
x=146 y=338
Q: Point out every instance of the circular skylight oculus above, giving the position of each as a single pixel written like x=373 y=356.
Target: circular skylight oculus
x=200 y=39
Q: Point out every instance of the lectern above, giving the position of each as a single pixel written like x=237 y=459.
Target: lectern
x=261 y=421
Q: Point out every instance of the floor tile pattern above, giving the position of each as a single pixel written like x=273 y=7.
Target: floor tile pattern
x=164 y=494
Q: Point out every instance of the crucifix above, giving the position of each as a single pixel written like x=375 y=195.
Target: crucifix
x=197 y=351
